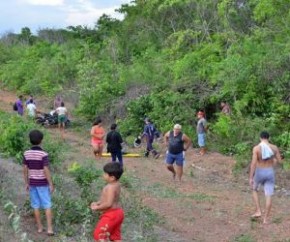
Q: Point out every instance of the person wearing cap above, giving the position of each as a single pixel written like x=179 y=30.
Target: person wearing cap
x=177 y=143
x=201 y=132
x=149 y=133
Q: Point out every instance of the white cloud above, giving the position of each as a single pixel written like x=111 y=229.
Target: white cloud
x=46 y=2
x=87 y=14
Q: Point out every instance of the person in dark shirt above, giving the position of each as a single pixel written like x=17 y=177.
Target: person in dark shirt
x=149 y=133
x=177 y=143
x=38 y=180
x=114 y=144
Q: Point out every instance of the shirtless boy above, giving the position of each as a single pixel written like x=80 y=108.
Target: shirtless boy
x=109 y=226
x=265 y=157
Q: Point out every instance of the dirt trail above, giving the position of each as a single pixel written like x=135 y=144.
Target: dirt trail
x=211 y=204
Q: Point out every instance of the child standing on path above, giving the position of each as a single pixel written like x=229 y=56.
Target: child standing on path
x=62 y=116
x=38 y=181
x=114 y=141
x=109 y=226
x=98 y=135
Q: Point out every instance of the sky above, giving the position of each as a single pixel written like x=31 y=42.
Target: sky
x=40 y=14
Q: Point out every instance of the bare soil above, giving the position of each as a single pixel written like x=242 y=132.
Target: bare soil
x=211 y=203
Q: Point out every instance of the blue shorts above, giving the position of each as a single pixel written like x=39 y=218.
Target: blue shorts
x=177 y=158
x=265 y=177
x=201 y=139
x=40 y=197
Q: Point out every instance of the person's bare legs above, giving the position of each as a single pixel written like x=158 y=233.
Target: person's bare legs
x=268 y=208
x=179 y=172
x=48 y=214
x=258 y=212
x=171 y=169
x=38 y=220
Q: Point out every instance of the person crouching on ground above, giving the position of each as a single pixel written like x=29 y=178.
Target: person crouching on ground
x=177 y=143
x=38 y=180
x=149 y=134
x=265 y=157
x=201 y=129
x=62 y=116
x=114 y=144
x=97 y=141
x=109 y=226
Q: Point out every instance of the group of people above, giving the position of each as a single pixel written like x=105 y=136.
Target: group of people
x=32 y=111
x=39 y=183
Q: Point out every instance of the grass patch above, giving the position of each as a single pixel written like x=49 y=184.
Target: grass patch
x=244 y=238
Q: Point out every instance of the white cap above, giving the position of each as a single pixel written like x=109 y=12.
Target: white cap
x=177 y=126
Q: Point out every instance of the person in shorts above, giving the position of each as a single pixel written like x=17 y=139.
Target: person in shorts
x=177 y=143
x=265 y=157
x=62 y=116
x=38 y=180
x=201 y=129
x=112 y=215
x=98 y=134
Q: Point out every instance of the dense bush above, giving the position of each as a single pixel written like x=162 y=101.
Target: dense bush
x=14 y=138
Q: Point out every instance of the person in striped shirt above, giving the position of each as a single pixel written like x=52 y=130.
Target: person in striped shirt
x=38 y=180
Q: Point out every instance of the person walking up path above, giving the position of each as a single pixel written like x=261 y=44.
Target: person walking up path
x=177 y=144
x=265 y=157
x=149 y=134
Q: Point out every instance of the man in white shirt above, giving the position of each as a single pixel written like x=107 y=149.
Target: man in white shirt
x=31 y=109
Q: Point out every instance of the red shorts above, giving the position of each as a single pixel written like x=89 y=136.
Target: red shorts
x=109 y=225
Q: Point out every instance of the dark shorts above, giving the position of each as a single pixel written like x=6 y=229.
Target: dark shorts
x=177 y=158
x=61 y=118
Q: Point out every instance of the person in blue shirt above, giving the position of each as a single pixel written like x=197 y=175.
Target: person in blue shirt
x=149 y=133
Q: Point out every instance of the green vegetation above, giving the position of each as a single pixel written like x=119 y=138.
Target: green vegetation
x=166 y=60
x=14 y=139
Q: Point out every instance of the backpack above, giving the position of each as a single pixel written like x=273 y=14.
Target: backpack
x=15 y=108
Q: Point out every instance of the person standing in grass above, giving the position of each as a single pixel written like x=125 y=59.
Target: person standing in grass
x=62 y=116
x=31 y=109
x=177 y=143
x=114 y=144
x=19 y=105
x=112 y=215
x=265 y=157
x=201 y=129
x=98 y=134
x=38 y=180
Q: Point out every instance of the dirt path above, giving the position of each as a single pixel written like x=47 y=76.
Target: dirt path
x=210 y=205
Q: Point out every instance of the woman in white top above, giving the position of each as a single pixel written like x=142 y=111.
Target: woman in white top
x=62 y=115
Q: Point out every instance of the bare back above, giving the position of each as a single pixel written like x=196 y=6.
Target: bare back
x=257 y=155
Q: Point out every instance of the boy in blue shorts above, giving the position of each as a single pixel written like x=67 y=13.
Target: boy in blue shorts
x=177 y=144
x=38 y=181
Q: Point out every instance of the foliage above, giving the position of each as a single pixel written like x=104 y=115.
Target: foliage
x=183 y=55
x=14 y=138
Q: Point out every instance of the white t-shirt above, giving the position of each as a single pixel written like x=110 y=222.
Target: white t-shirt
x=61 y=110
x=31 y=109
